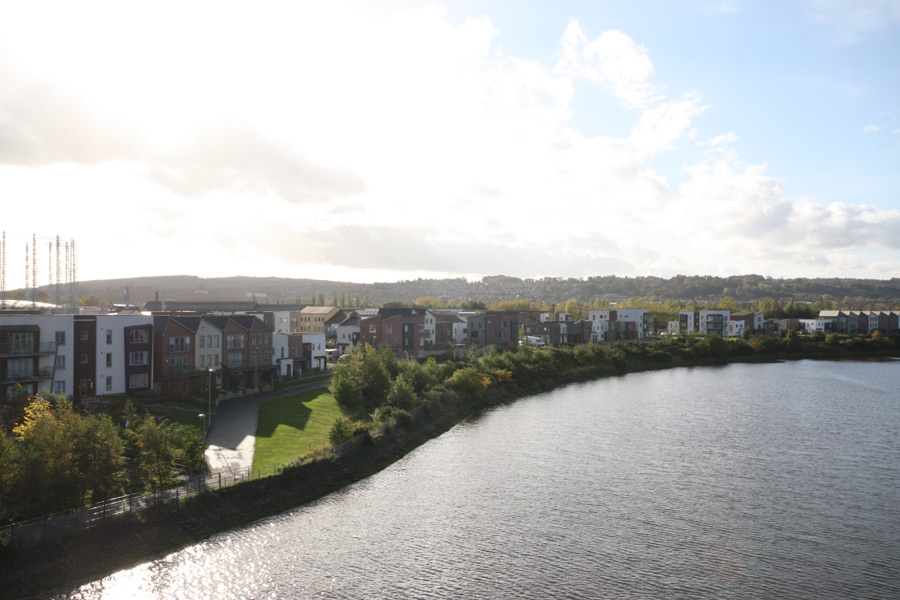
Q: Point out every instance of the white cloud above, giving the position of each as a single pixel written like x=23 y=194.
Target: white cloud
x=871 y=129
x=720 y=140
x=612 y=60
x=338 y=141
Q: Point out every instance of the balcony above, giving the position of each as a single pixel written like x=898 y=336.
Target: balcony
x=25 y=376
x=31 y=349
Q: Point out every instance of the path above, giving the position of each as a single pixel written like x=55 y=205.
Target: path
x=232 y=435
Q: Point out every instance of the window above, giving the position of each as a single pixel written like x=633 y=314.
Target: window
x=60 y=362
x=21 y=342
x=108 y=383
x=179 y=363
x=138 y=358
x=209 y=341
x=388 y=329
x=139 y=380
x=138 y=336
x=202 y=342
x=60 y=338
x=266 y=336
x=83 y=335
x=109 y=359
x=59 y=387
x=19 y=367
x=216 y=360
x=253 y=357
x=234 y=342
x=84 y=359
x=421 y=328
x=217 y=341
x=109 y=336
x=179 y=343
x=235 y=360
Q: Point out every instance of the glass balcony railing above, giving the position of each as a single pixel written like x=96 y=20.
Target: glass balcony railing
x=24 y=375
x=19 y=349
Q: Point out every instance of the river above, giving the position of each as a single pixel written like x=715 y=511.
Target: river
x=743 y=481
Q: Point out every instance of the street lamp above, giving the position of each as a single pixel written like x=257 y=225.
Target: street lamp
x=209 y=395
x=202 y=416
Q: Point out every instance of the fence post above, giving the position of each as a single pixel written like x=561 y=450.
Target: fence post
x=220 y=478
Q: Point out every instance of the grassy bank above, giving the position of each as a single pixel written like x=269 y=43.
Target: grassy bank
x=292 y=426
x=454 y=393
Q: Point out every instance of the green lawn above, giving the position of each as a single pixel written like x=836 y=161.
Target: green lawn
x=303 y=381
x=292 y=426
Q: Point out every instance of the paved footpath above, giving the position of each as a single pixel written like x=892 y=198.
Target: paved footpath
x=232 y=435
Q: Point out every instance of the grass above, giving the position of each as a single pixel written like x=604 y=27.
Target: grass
x=295 y=382
x=292 y=426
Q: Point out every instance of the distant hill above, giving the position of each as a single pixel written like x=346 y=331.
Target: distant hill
x=857 y=292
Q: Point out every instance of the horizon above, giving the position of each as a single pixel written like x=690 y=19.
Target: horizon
x=378 y=144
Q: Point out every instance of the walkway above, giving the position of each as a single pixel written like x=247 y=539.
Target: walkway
x=232 y=434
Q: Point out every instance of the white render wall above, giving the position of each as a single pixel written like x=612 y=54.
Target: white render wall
x=116 y=373
x=63 y=378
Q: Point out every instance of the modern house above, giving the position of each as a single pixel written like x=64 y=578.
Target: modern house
x=493 y=328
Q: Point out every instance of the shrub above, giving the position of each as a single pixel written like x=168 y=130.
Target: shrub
x=402 y=394
x=469 y=380
x=386 y=413
x=341 y=431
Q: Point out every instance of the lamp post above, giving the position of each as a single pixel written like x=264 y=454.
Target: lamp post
x=202 y=416
x=209 y=396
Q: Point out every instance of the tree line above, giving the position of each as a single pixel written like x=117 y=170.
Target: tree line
x=375 y=386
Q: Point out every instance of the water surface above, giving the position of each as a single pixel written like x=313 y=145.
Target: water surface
x=745 y=481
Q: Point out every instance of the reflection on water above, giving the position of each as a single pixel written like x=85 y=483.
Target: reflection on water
x=749 y=481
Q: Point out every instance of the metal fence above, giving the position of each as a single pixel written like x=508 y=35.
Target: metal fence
x=56 y=524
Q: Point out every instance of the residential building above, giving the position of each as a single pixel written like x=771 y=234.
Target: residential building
x=314 y=319
x=493 y=328
x=752 y=321
x=705 y=322
x=36 y=352
x=347 y=333
x=624 y=323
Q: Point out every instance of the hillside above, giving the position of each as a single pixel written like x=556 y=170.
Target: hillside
x=856 y=293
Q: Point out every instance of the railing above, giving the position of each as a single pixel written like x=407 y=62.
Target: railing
x=56 y=524
x=30 y=375
x=8 y=349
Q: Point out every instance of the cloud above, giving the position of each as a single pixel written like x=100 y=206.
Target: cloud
x=40 y=124
x=425 y=249
x=613 y=60
x=852 y=20
x=240 y=159
x=871 y=129
x=720 y=140
x=732 y=213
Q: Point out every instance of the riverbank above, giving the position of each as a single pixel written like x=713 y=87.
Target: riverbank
x=122 y=542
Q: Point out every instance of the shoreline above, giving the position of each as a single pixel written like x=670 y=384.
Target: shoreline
x=64 y=563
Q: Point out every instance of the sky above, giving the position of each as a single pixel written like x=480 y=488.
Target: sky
x=363 y=141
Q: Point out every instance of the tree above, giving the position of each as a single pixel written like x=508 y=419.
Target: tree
x=402 y=395
x=9 y=472
x=48 y=475
x=344 y=389
x=97 y=450
x=321 y=299
x=92 y=300
x=157 y=454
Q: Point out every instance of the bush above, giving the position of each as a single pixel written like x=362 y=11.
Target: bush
x=341 y=431
x=402 y=394
x=386 y=413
